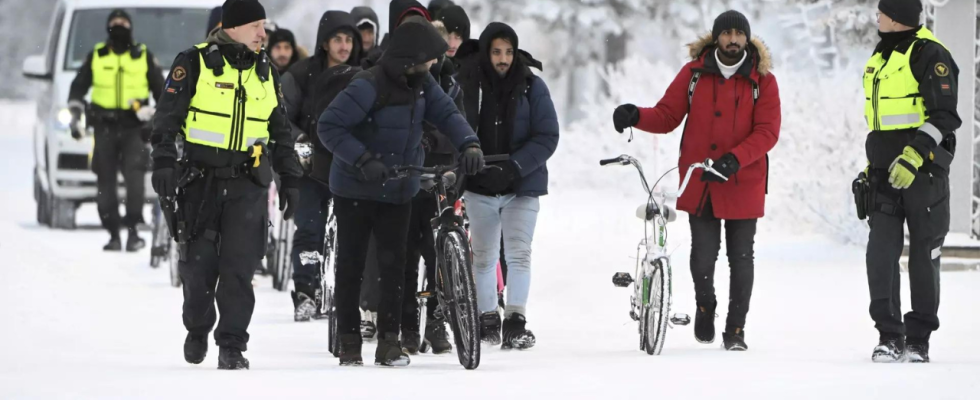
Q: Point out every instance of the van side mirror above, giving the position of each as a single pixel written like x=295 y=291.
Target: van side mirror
x=36 y=67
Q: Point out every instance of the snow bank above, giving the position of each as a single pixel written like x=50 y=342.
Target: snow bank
x=820 y=151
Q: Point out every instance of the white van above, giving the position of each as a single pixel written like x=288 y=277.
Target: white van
x=63 y=178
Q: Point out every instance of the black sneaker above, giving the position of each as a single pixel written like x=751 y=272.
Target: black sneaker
x=490 y=328
x=350 y=350
x=704 y=324
x=890 y=349
x=115 y=244
x=411 y=340
x=134 y=242
x=734 y=341
x=389 y=352
x=437 y=337
x=917 y=350
x=195 y=348
x=515 y=336
x=231 y=358
x=303 y=305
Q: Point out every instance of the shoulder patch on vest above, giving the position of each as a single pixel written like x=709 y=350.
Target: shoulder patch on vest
x=942 y=69
x=179 y=74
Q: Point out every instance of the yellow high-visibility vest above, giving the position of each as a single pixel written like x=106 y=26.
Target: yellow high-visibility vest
x=119 y=80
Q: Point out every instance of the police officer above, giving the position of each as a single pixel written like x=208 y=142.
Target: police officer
x=223 y=98
x=910 y=84
x=121 y=74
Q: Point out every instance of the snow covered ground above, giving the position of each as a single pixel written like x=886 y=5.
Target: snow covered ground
x=79 y=323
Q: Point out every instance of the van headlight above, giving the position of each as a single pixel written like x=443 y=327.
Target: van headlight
x=62 y=119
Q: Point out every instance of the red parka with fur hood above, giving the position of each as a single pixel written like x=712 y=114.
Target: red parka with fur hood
x=723 y=117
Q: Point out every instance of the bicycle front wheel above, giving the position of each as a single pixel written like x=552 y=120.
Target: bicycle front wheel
x=328 y=278
x=459 y=295
x=284 y=260
x=657 y=309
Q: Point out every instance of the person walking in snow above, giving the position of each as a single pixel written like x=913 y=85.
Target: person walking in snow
x=284 y=50
x=731 y=101
x=121 y=75
x=910 y=148
x=367 y=139
x=511 y=110
x=224 y=173
x=338 y=51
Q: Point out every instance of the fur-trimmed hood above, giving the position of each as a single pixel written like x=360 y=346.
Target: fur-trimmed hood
x=760 y=53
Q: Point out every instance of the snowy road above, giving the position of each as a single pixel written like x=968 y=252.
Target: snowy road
x=78 y=323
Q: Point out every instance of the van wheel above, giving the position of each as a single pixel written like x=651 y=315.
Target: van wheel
x=43 y=210
x=62 y=213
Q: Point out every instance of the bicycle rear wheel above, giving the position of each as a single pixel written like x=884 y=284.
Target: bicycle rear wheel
x=656 y=311
x=160 y=237
x=328 y=279
x=459 y=296
x=174 y=257
x=284 y=249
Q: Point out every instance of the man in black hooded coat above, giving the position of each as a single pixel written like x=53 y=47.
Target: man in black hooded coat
x=302 y=87
x=398 y=12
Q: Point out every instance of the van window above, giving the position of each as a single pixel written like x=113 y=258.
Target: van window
x=54 y=34
x=164 y=31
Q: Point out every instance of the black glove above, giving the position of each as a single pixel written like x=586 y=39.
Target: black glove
x=374 y=171
x=164 y=182
x=626 y=116
x=288 y=201
x=76 y=111
x=726 y=165
x=471 y=162
x=498 y=178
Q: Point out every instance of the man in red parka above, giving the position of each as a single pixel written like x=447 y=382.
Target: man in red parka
x=732 y=103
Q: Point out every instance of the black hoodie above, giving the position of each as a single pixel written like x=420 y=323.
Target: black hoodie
x=302 y=77
x=455 y=20
x=397 y=10
x=364 y=14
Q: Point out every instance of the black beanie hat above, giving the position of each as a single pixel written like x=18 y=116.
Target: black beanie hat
x=731 y=19
x=282 y=35
x=118 y=13
x=905 y=12
x=455 y=20
x=236 y=13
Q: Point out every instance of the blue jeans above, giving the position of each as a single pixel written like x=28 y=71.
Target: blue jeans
x=311 y=224
x=516 y=217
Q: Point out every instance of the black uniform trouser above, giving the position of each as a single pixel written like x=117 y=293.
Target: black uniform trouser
x=705 y=244
x=370 y=288
x=311 y=224
x=356 y=219
x=421 y=244
x=119 y=147
x=925 y=207
x=223 y=257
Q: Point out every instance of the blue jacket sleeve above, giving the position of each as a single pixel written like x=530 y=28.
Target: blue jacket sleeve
x=544 y=131
x=347 y=110
x=441 y=111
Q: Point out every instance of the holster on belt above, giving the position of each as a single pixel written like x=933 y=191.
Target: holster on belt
x=260 y=164
x=183 y=234
x=862 y=195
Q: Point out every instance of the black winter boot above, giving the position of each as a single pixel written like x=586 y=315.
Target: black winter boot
x=515 y=336
x=231 y=358
x=704 y=324
x=389 y=352
x=195 y=348
x=490 y=328
x=134 y=242
x=437 y=337
x=735 y=341
x=411 y=340
x=115 y=244
x=303 y=305
x=917 y=350
x=350 y=350
x=890 y=349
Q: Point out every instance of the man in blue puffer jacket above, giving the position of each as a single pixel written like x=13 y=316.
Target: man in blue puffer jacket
x=373 y=125
x=511 y=110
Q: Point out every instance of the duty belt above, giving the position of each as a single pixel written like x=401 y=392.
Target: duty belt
x=232 y=172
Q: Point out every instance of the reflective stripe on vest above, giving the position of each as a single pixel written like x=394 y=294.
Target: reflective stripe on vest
x=118 y=80
x=230 y=111
x=891 y=92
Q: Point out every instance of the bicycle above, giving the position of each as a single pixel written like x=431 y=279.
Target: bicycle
x=162 y=245
x=651 y=299
x=455 y=287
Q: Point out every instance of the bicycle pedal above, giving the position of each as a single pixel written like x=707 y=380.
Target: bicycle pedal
x=680 y=319
x=634 y=316
x=622 y=279
x=425 y=295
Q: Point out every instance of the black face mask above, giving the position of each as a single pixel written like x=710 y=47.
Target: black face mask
x=120 y=35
